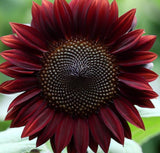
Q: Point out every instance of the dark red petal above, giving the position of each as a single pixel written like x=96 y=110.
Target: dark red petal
x=145 y=43
x=91 y=12
x=63 y=17
x=134 y=81
x=52 y=141
x=99 y=132
x=63 y=135
x=147 y=74
x=21 y=59
x=81 y=137
x=80 y=10
x=122 y=25
x=14 y=42
x=11 y=70
x=113 y=16
x=24 y=97
x=18 y=85
x=36 y=16
x=13 y=113
x=87 y=17
x=35 y=135
x=136 y=58
x=50 y=129
x=132 y=92
x=26 y=113
x=39 y=123
x=127 y=41
x=30 y=36
x=71 y=147
x=128 y=111
x=14 y=74
x=93 y=144
x=97 y=19
x=5 y=65
x=101 y=20
x=47 y=22
x=113 y=12
x=11 y=41
x=42 y=18
x=73 y=3
x=127 y=131
x=146 y=103
x=20 y=70
x=113 y=123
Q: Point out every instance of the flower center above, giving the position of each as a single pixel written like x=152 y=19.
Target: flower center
x=78 y=77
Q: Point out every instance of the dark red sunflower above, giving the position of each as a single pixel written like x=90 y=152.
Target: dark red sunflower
x=81 y=70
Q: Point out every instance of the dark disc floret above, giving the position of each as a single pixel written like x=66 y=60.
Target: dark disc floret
x=78 y=76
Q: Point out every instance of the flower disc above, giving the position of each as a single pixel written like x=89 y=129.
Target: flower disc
x=78 y=77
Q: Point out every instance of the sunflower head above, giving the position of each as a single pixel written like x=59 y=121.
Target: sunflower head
x=80 y=69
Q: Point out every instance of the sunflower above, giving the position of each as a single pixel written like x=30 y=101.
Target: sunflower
x=80 y=69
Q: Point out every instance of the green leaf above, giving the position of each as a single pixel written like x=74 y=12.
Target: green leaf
x=152 y=127
x=4 y=125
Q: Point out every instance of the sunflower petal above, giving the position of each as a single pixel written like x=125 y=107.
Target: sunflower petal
x=63 y=135
x=141 y=94
x=26 y=112
x=99 y=132
x=128 y=111
x=146 y=103
x=134 y=81
x=12 y=71
x=93 y=144
x=18 y=85
x=96 y=19
x=36 y=16
x=127 y=131
x=13 y=113
x=52 y=141
x=21 y=59
x=113 y=123
x=80 y=9
x=12 y=41
x=127 y=41
x=42 y=19
x=113 y=16
x=147 y=74
x=136 y=58
x=24 y=97
x=39 y=123
x=122 y=25
x=71 y=147
x=145 y=43
x=50 y=129
x=63 y=16
x=30 y=36
x=113 y=12
x=81 y=136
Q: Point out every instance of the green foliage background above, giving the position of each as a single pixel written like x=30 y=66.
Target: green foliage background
x=148 y=17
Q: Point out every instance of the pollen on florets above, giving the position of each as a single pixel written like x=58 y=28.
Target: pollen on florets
x=78 y=77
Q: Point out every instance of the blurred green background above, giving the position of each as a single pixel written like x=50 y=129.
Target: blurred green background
x=148 y=17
